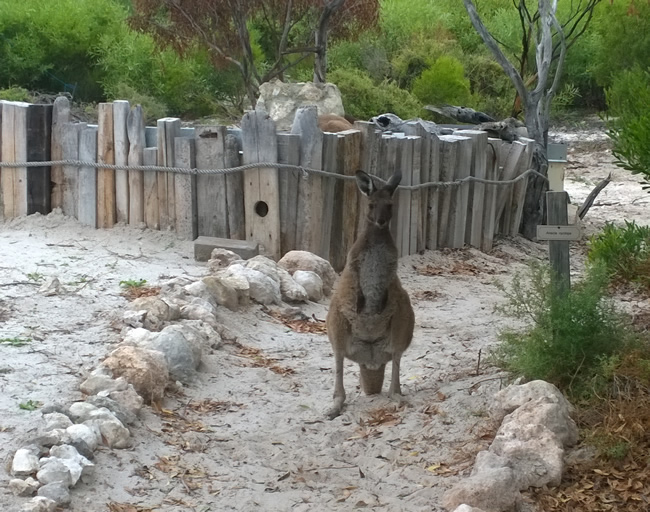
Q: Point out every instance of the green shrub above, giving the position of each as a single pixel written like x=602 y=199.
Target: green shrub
x=15 y=94
x=625 y=251
x=629 y=128
x=571 y=334
x=492 y=90
x=363 y=99
x=443 y=82
x=152 y=108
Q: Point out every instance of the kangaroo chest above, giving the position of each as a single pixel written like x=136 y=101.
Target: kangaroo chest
x=377 y=270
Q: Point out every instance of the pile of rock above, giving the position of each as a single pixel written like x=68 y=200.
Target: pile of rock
x=528 y=450
x=164 y=338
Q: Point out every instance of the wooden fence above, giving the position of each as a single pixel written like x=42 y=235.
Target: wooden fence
x=281 y=209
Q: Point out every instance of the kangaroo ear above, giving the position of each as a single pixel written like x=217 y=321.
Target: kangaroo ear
x=365 y=183
x=393 y=182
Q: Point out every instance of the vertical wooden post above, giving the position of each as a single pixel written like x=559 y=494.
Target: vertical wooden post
x=2 y=204
x=60 y=117
x=288 y=153
x=39 y=136
x=121 y=111
x=476 y=213
x=135 y=130
x=329 y=164
x=519 y=190
x=235 y=189
x=185 y=190
x=261 y=187
x=150 y=182
x=70 y=147
x=106 y=214
x=422 y=195
x=351 y=150
x=556 y=203
x=491 y=191
x=168 y=129
x=460 y=198
x=434 y=193
x=311 y=214
x=14 y=149
x=448 y=159
x=211 y=197
x=514 y=156
x=87 y=194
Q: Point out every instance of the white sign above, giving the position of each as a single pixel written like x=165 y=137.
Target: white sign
x=558 y=233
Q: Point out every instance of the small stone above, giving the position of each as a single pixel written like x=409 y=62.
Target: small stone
x=82 y=447
x=80 y=411
x=304 y=260
x=198 y=312
x=222 y=258
x=291 y=290
x=240 y=285
x=47 y=409
x=146 y=370
x=263 y=289
x=50 y=287
x=200 y=290
x=221 y=292
x=48 y=439
x=23 y=487
x=39 y=504
x=72 y=459
x=122 y=414
x=53 y=470
x=97 y=383
x=158 y=310
x=115 y=434
x=128 y=400
x=467 y=508
x=311 y=282
x=25 y=462
x=56 y=420
x=57 y=492
x=134 y=319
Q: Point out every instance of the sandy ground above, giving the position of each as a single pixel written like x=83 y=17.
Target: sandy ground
x=245 y=437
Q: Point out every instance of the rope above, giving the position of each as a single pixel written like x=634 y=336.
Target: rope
x=284 y=167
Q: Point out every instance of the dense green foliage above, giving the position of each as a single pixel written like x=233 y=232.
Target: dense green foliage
x=625 y=252
x=629 y=121
x=423 y=52
x=570 y=335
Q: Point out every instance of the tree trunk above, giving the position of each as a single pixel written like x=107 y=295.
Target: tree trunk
x=320 y=58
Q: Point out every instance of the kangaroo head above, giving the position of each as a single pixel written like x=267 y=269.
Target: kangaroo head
x=380 y=196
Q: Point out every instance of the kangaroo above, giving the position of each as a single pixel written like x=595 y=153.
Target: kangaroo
x=333 y=123
x=370 y=320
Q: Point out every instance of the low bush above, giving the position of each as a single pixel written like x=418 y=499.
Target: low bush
x=624 y=251
x=363 y=99
x=443 y=82
x=571 y=334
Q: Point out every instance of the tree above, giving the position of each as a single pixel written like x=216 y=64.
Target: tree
x=261 y=38
x=551 y=38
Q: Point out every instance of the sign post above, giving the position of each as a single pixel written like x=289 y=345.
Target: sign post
x=559 y=234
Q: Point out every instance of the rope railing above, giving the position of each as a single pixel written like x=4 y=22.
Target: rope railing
x=286 y=167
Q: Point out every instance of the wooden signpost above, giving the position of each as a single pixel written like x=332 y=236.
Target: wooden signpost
x=559 y=234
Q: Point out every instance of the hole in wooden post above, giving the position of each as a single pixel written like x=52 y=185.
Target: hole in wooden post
x=261 y=208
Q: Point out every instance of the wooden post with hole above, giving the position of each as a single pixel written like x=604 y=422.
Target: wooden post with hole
x=261 y=187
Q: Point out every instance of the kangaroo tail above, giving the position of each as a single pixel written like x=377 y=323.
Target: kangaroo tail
x=372 y=380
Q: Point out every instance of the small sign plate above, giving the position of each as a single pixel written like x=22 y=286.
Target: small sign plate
x=558 y=233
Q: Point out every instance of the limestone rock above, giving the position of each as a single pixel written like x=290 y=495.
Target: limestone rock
x=39 y=504
x=262 y=289
x=222 y=292
x=199 y=311
x=115 y=434
x=493 y=491
x=20 y=487
x=72 y=459
x=134 y=319
x=182 y=349
x=534 y=452
x=146 y=370
x=83 y=433
x=80 y=411
x=291 y=290
x=549 y=412
x=57 y=492
x=51 y=286
x=25 y=462
x=311 y=282
x=54 y=470
x=304 y=260
x=122 y=414
x=241 y=286
x=221 y=258
x=265 y=265
x=467 y=508
x=281 y=100
x=56 y=420
x=508 y=399
x=158 y=311
x=128 y=400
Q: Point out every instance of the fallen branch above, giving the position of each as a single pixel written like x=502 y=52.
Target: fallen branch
x=588 y=203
